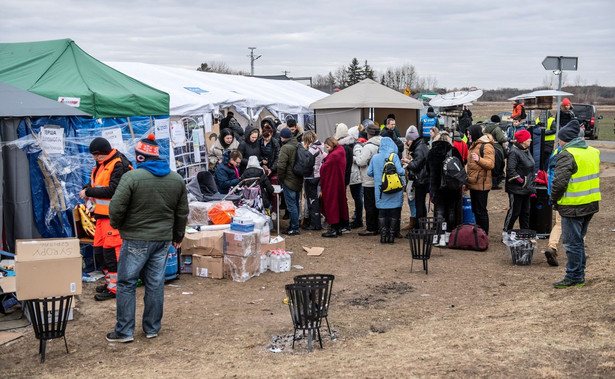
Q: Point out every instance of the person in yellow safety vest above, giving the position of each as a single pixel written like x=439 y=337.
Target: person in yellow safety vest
x=549 y=139
x=576 y=191
x=106 y=175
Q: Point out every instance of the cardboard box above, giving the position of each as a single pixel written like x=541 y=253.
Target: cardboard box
x=205 y=242
x=265 y=247
x=47 y=267
x=241 y=269
x=241 y=244
x=207 y=266
x=7 y=284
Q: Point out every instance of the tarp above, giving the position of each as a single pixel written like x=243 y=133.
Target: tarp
x=16 y=102
x=195 y=92
x=61 y=71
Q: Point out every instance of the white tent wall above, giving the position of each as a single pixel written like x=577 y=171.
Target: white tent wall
x=327 y=119
x=403 y=117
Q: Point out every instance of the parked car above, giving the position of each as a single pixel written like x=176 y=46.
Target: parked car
x=587 y=115
x=505 y=120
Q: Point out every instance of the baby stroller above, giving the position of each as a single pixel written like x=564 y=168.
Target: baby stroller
x=250 y=194
x=203 y=188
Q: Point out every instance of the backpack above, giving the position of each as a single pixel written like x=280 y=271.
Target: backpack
x=523 y=114
x=454 y=175
x=498 y=167
x=304 y=162
x=391 y=182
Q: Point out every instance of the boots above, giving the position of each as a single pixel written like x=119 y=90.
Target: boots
x=394 y=231
x=410 y=225
x=384 y=229
x=331 y=233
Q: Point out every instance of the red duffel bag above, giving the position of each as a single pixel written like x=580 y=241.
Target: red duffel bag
x=468 y=237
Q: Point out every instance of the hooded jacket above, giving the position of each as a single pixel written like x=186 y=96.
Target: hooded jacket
x=369 y=149
x=499 y=138
x=479 y=173
x=226 y=175
x=520 y=164
x=417 y=168
x=435 y=158
x=271 y=150
x=355 y=171
x=254 y=170
x=286 y=162
x=249 y=149
x=219 y=147
x=320 y=152
x=391 y=134
x=375 y=169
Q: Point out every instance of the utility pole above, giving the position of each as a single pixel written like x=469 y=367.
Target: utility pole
x=252 y=59
x=286 y=72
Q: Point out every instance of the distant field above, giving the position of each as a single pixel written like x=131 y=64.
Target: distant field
x=483 y=110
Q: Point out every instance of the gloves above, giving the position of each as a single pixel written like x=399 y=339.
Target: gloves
x=520 y=180
x=533 y=195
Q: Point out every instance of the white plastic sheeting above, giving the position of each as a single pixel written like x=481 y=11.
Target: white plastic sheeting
x=196 y=92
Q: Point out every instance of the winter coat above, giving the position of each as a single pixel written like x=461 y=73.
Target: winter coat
x=516 y=113
x=254 y=170
x=248 y=149
x=565 y=117
x=465 y=121
x=510 y=132
x=217 y=151
x=320 y=152
x=391 y=134
x=355 y=171
x=520 y=164
x=270 y=153
x=370 y=148
x=461 y=147
x=499 y=138
x=565 y=167
x=119 y=169
x=479 y=173
x=417 y=168
x=334 y=202
x=286 y=162
x=375 y=169
x=226 y=175
x=348 y=144
x=435 y=159
x=150 y=206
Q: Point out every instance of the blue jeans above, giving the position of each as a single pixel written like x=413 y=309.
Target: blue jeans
x=412 y=206
x=292 y=206
x=574 y=230
x=151 y=258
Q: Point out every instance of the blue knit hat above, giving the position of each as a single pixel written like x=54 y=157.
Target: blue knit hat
x=286 y=133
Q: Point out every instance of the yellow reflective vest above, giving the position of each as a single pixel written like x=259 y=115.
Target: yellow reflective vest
x=584 y=185
x=549 y=123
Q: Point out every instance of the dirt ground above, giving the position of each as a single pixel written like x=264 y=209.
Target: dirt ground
x=474 y=315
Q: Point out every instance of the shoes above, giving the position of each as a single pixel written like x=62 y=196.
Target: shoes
x=104 y=295
x=112 y=337
x=331 y=233
x=291 y=232
x=356 y=224
x=311 y=228
x=568 y=283
x=368 y=233
x=101 y=288
x=345 y=229
x=551 y=255
x=149 y=336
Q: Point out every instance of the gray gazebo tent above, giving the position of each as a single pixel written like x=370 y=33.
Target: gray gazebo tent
x=351 y=105
x=16 y=204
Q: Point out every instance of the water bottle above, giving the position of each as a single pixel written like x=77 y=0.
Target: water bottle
x=287 y=264
x=275 y=261
x=264 y=263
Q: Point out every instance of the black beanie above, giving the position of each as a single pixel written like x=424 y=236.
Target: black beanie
x=430 y=109
x=476 y=131
x=495 y=118
x=100 y=145
x=570 y=131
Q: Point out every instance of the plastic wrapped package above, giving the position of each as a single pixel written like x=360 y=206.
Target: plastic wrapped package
x=521 y=245
x=261 y=221
x=198 y=212
x=221 y=213
x=241 y=255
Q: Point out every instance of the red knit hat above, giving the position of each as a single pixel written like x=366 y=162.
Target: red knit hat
x=148 y=146
x=522 y=136
x=566 y=101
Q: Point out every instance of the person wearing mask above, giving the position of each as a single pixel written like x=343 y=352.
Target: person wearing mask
x=428 y=121
x=335 y=205
x=388 y=204
x=480 y=163
x=520 y=183
x=227 y=172
x=269 y=147
x=111 y=165
x=226 y=141
x=446 y=201
x=290 y=182
x=150 y=209
x=416 y=167
x=254 y=170
x=311 y=184
x=249 y=147
x=576 y=190
x=370 y=148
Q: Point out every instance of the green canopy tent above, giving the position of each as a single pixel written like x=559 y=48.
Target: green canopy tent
x=61 y=71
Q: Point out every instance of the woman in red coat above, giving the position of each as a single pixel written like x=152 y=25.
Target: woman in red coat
x=334 y=203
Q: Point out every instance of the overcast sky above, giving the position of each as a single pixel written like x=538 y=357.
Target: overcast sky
x=483 y=43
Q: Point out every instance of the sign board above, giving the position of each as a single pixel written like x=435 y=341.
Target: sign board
x=567 y=63
x=52 y=139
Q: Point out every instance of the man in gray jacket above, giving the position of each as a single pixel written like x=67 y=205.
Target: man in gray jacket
x=150 y=209
x=369 y=198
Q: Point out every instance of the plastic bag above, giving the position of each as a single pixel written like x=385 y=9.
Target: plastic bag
x=221 y=213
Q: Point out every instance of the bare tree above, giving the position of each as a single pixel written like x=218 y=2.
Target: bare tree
x=341 y=77
x=218 y=67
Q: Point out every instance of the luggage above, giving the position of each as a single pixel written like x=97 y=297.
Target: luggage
x=468 y=237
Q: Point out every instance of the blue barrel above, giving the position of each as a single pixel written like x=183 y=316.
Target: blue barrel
x=468 y=215
x=171 y=272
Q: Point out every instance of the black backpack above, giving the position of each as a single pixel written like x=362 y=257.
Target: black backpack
x=454 y=175
x=523 y=115
x=304 y=162
x=499 y=159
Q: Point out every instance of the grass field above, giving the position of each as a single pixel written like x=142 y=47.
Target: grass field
x=483 y=110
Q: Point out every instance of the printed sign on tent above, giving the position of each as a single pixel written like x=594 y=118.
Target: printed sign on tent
x=161 y=128
x=178 y=134
x=52 y=139
x=114 y=136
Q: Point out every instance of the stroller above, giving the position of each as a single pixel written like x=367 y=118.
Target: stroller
x=203 y=188
x=250 y=194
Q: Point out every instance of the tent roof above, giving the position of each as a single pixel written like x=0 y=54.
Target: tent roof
x=196 y=92
x=367 y=94
x=15 y=102
x=59 y=68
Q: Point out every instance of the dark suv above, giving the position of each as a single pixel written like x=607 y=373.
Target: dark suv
x=586 y=114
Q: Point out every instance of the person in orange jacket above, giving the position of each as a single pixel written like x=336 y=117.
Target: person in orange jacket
x=517 y=113
x=110 y=166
